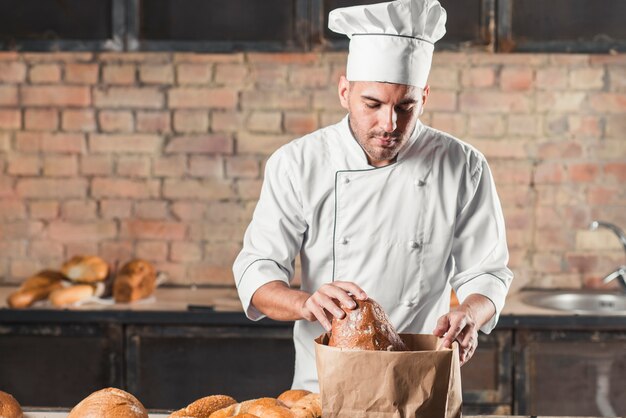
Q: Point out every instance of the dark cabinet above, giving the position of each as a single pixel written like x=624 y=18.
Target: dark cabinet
x=58 y=365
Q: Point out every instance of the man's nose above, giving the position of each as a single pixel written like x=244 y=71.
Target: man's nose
x=389 y=119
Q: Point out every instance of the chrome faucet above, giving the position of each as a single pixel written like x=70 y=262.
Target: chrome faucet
x=620 y=273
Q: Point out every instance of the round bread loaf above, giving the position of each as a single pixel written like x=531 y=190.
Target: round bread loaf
x=365 y=327
x=85 y=269
x=270 y=411
x=245 y=407
x=290 y=397
x=109 y=403
x=309 y=406
x=9 y=407
x=135 y=280
x=204 y=407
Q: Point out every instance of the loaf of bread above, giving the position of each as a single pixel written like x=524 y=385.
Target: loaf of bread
x=37 y=287
x=109 y=403
x=365 y=328
x=245 y=407
x=270 y=411
x=71 y=294
x=290 y=397
x=85 y=269
x=136 y=280
x=9 y=407
x=309 y=406
x=204 y=407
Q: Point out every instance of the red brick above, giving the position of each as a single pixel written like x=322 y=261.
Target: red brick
x=185 y=252
x=581 y=263
x=616 y=171
x=189 y=211
x=608 y=149
x=116 y=253
x=57 y=56
x=551 y=78
x=129 y=97
x=159 y=230
x=498 y=148
x=152 y=250
x=41 y=119
x=12 y=72
x=228 y=121
x=272 y=100
x=322 y=100
x=486 y=125
x=50 y=142
x=189 y=98
x=547 y=173
x=217 y=233
x=194 y=73
x=79 y=248
x=554 y=239
x=242 y=167
x=264 y=122
x=8 y=96
x=121 y=188
x=201 y=166
x=115 y=208
x=198 y=189
x=118 y=74
x=24 y=268
x=152 y=209
x=56 y=96
x=615 y=126
x=583 y=173
x=230 y=74
x=60 y=166
x=559 y=149
x=617 y=79
x=249 y=189
x=608 y=102
x=519 y=59
x=305 y=77
x=526 y=125
x=300 y=123
x=10 y=119
x=81 y=73
x=153 y=122
x=45 y=73
x=566 y=59
x=248 y=143
x=174 y=166
x=12 y=209
x=229 y=212
x=203 y=144
x=156 y=74
x=547 y=262
x=441 y=100
x=191 y=121
x=78 y=120
x=6 y=187
x=511 y=172
x=134 y=57
x=43 y=209
x=337 y=70
x=446 y=78
x=129 y=143
x=586 y=78
x=175 y=273
x=516 y=79
x=605 y=195
x=83 y=231
x=96 y=165
x=452 y=123
x=13 y=249
x=24 y=165
x=560 y=102
x=22 y=230
x=268 y=76
x=52 y=188
x=478 y=77
x=232 y=58
x=494 y=102
x=79 y=210
x=116 y=121
x=585 y=126
x=208 y=274
x=128 y=166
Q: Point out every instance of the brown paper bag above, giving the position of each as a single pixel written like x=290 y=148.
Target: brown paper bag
x=422 y=383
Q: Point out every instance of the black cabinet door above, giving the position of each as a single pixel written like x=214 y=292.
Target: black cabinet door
x=58 y=365
x=167 y=367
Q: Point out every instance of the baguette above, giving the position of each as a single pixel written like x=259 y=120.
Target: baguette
x=37 y=287
x=72 y=294
x=9 y=407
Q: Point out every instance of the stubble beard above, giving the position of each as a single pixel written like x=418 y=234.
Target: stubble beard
x=377 y=153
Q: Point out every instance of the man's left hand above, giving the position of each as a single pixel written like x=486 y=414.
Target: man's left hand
x=459 y=325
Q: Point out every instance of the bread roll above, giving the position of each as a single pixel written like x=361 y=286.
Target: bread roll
x=270 y=411
x=136 y=280
x=37 y=287
x=245 y=407
x=309 y=406
x=204 y=407
x=85 y=269
x=9 y=407
x=72 y=294
x=109 y=403
x=290 y=397
x=365 y=328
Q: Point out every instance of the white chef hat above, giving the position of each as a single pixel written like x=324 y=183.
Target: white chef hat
x=390 y=42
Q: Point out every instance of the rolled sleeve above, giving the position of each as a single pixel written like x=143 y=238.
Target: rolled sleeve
x=257 y=274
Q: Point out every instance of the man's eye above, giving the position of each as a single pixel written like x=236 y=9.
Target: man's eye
x=404 y=109
x=372 y=105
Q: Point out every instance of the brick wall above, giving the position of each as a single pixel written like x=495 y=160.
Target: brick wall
x=160 y=155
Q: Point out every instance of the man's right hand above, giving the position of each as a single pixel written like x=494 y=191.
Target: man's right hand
x=326 y=301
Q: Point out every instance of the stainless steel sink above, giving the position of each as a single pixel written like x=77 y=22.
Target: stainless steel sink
x=578 y=301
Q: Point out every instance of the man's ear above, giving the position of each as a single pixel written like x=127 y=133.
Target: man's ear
x=343 y=89
x=425 y=92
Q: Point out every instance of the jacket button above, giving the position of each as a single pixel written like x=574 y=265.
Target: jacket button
x=414 y=244
x=420 y=183
x=346 y=180
x=344 y=240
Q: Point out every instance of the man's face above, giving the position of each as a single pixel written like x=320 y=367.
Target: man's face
x=382 y=115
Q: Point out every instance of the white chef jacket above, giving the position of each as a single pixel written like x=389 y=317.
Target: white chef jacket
x=405 y=233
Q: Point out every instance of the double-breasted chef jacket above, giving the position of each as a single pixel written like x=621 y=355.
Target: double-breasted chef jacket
x=405 y=233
